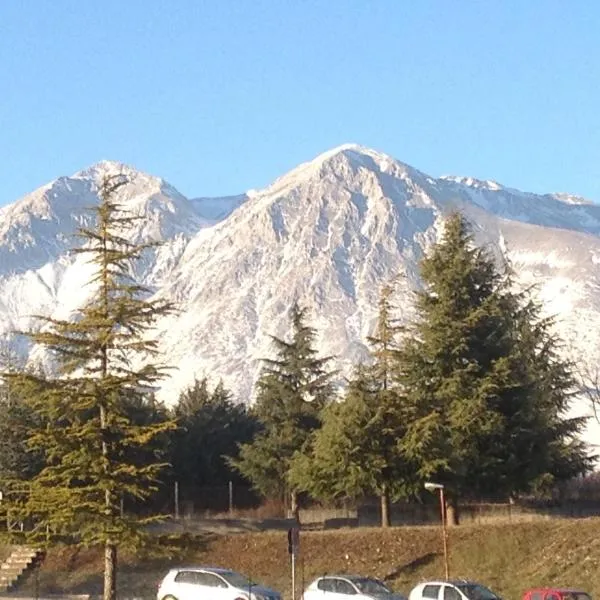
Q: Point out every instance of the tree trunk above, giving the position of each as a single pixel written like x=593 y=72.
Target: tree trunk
x=110 y=571
x=295 y=508
x=385 y=507
x=452 y=511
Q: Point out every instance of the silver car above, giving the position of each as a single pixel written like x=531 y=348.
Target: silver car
x=210 y=583
x=341 y=587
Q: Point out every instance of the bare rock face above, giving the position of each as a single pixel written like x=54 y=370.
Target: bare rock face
x=328 y=234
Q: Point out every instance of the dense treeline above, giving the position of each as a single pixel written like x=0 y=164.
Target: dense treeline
x=472 y=394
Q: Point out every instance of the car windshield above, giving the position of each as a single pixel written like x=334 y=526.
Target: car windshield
x=366 y=585
x=474 y=591
x=576 y=596
x=237 y=579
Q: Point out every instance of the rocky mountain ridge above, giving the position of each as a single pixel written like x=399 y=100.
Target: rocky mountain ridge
x=328 y=234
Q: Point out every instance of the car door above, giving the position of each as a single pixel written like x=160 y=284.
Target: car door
x=431 y=591
x=186 y=586
x=320 y=591
x=342 y=590
x=212 y=587
x=451 y=593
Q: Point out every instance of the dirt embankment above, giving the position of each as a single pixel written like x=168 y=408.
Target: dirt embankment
x=509 y=558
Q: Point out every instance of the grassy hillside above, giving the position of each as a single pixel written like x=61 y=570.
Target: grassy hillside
x=508 y=558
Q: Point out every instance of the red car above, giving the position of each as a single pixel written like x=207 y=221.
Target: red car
x=556 y=594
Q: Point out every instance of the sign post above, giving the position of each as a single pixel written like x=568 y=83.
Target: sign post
x=293 y=548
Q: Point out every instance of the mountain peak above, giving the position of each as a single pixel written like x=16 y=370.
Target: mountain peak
x=340 y=162
x=355 y=153
x=105 y=167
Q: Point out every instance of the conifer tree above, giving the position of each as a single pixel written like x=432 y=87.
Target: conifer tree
x=293 y=389
x=105 y=363
x=356 y=452
x=211 y=426
x=16 y=420
x=486 y=392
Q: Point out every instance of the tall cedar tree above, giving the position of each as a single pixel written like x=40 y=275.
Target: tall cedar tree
x=211 y=426
x=356 y=452
x=90 y=442
x=17 y=462
x=291 y=392
x=486 y=392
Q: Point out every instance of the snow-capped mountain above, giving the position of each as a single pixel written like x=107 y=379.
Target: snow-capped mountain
x=328 y=234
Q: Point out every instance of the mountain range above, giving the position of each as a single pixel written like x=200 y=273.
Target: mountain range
x=328 y=234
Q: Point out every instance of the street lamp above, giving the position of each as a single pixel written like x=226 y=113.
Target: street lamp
x=432 y=487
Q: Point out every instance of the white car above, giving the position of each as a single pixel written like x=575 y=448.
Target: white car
x=208 y=583
x=339 y=587
x=451 y=590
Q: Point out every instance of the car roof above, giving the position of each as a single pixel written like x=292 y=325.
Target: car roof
x=451 y=581
x=346 y=576
x=556 y=589
x=200 y=568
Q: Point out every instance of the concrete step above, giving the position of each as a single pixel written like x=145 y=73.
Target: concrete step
x=20 y=560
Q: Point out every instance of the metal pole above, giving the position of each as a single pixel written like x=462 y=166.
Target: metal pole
x=230 y=498
x=444 y=533
x=302 y=572
x=177 y=499
x=293 y=574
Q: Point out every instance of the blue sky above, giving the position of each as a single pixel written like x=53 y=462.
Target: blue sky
x=222 y=96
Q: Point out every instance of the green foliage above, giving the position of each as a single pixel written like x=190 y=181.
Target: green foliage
x=95 y=453
x=292 y=391
x=17 y=461
x=210 y=428
x=356 y=452
x=486 y=392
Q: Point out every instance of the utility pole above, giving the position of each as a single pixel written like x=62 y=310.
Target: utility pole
x=432 y=487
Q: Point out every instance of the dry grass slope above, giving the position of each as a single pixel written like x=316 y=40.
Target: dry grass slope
x=508 y=558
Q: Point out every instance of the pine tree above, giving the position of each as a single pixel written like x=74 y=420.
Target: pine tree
x=356 y=452
x=486 y=392
x=210 y=428
x=104 y=365
x=293 y=389
x=17 y=463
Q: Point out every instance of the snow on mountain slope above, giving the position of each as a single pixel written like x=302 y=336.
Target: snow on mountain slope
x=217 y=209
x=328 y=234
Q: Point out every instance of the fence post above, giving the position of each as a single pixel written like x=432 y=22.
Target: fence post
x=177 y=499
x=230 y=498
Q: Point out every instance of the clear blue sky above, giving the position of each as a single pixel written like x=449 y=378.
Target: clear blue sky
x=218 y=97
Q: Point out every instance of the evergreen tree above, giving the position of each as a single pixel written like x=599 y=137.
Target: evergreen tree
x=210 y=428
x=17 y=462
x=486 y=392
x=356 y=452
x=293 y=389
x=104 y=366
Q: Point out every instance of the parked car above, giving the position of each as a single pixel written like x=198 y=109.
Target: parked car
x=550 y=593
x=209 y=583
x=339 y=587
x=457 y=589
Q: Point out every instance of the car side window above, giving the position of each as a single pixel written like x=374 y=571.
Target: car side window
x=325 y=585
x=185 y=577
x=536 y=596
x=344 y=587
x=451 y=593
x=552 y=596
x=431 y=591
x=210 y=580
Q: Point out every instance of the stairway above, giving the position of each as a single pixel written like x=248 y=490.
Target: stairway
x=21 y=560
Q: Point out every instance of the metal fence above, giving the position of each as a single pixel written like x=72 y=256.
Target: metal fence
x=237 y=501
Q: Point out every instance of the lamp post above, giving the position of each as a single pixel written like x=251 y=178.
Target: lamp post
x=432 y=487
